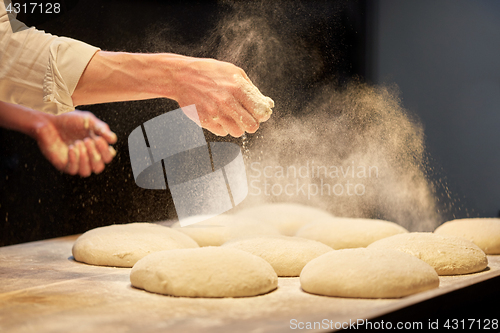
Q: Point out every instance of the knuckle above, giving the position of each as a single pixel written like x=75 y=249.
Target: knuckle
x=236 y=69
x=252 y=128
x=224 y=100
x=234 y=89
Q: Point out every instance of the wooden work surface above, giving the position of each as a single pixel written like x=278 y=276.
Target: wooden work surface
x=42 y=289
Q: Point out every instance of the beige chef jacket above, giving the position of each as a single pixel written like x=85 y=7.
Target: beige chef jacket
x=37 y=69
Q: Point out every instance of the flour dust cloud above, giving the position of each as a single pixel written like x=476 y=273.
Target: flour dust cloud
x=348 y=147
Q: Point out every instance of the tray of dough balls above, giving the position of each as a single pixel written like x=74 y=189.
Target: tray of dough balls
x=262 y=268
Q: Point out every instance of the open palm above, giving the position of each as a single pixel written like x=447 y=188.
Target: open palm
x=76 y=142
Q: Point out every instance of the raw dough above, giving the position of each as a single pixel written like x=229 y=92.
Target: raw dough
x=204 y=272
x=449 y=255
x=287 y=217
x=345 y=233
x=121 y=245
x=222 y=228
x=287 y=255
x=367 y=273
x=484 y=232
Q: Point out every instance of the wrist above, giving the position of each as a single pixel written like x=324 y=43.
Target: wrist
x=22 y=119
x=37 y=121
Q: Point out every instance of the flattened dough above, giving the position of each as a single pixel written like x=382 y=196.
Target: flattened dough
x=287 y=217
x=367 y=273
x=449 y=255
x=222 y=228
x=287 y=255
x=484 y=232
x=346 y=233
x=121 y=245
x=204 y=272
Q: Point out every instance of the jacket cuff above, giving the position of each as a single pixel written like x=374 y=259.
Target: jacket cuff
x=68 y=59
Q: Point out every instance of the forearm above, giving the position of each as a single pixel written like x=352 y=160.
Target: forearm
x=118 y=76
x=225 y=98
x=21 y=119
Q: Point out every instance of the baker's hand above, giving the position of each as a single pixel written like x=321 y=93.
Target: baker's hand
x=225 y=98
x=75 y=142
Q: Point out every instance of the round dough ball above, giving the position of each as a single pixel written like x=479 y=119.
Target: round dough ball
x=449 y=255
x=345 y=233
x=222 y=228
x=484 y=232
x=287 y=255
x=287 y=217
x=367 y=273
x=204 y=272
x=121 y=245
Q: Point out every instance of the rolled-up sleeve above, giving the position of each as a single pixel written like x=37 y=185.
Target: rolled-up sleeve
x=37 y=69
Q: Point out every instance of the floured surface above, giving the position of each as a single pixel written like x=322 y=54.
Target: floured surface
x=43 y=290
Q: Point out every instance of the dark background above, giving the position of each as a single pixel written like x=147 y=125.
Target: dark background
x=444 y=55
x=38 y=202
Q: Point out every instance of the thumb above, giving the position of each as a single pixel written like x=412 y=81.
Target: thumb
x=102 y=129
x=56 y=152
x=52 y=146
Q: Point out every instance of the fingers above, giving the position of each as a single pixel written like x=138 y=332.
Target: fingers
x=107 y=152
x=214 y=127
x=227 y=116
x=73 y=160
x=84 y=168
x=95 y=159
x=258 y=105
x=223 y=125
x=242 y=109
x=210 y=119
x=94 y=125
x=245 y=120
x=89 y=156
x=230 y=126
x=100 y=128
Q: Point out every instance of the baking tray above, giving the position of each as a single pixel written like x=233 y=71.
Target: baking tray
x=43 y=289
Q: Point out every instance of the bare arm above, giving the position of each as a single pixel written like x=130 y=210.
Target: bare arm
x=19 y=118
x=223 y=102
